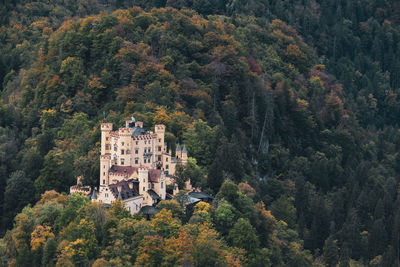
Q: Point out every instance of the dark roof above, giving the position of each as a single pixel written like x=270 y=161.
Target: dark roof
x=178 y=147
x=93 y=196
x=153 y=194
x=184 y=149
x=154 y=175
x=187 y=200
x=149 y=210
x=200 y=195
x=126 y=191
x=139 y=131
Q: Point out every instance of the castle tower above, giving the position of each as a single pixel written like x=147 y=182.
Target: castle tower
x=184 y=155
x=143 y=177
x=159 y=145
x=105 y=164
x=106 y=128
x=124 y=147
x=178 y=151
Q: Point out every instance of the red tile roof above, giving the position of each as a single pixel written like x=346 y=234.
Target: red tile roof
x=154 y=175
x=125 y=171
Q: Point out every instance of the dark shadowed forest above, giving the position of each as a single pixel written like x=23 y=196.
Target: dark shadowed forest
x=289 y=111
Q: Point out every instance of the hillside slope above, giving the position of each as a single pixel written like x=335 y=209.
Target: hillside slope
x=249 y=100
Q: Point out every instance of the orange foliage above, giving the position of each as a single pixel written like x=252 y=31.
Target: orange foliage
x=52 y=196
x=161 y=116
x=246 y=189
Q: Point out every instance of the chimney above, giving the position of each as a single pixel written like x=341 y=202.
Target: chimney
x=79 y=180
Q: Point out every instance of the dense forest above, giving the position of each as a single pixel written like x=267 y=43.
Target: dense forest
x=289 y=111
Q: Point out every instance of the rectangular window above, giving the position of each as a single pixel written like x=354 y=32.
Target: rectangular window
x=152 y=186
x=107 y=146
x=122 y=143
x=145 y=150
x=104 y=181
x=128 y=152
x=159 y=158
x=162 y=185
x=144 y=160
x=122 y=161
x=137 y=142
x=136 y=160
x=159 y=140
x=159 y=148
x=106 y=138
x=136 y=150
x=122 y=152
x=166 y=159
x=104 y=174
x=166 y=166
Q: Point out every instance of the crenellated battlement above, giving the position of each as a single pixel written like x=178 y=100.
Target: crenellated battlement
x=159 y=128
x=125 y=131
x=105 y=157
x=106 y=126
x=144 y=137
x=114 y=134
x=142 y=169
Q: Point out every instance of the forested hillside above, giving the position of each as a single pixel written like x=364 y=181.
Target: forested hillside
x=288 y=110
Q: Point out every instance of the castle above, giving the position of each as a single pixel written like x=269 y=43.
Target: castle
x=135 y=166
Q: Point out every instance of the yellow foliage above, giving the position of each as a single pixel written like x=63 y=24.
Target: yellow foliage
x=302 y=104
x=76 y=248
x=202 y=208
x=40 y=235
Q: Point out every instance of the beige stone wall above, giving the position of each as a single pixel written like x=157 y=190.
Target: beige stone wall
x=142 y=149
x=105 y=164
x=133 y=205
x=160 y=187
x=104 y=195
x=106 y=129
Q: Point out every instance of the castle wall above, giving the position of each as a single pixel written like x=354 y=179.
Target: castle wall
x=133 y=204
x=105 y=196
